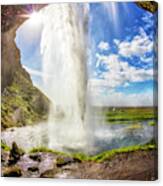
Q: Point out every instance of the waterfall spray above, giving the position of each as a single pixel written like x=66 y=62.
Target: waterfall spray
x=64 y=51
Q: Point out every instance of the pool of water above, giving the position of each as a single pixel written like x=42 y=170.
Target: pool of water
x=105 y=136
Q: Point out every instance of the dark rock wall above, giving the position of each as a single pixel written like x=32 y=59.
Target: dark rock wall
x=22 y=103
x=10 y=54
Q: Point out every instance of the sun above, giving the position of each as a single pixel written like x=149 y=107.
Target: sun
x=35 y=17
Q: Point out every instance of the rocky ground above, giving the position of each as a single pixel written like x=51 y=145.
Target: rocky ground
x=138 y=165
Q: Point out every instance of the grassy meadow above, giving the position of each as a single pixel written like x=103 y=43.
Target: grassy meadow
x=129 y=114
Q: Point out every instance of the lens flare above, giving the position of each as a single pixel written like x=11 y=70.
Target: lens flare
x=35 y=17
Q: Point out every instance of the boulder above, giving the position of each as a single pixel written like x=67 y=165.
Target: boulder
x=15 y=154
x=12 y=171
x=33 y=169
x=62 y=161
x=35 y=157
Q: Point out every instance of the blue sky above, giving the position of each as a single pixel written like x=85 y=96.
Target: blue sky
x=122 y=53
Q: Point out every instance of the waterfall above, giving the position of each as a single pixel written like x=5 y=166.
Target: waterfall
x=64 y=54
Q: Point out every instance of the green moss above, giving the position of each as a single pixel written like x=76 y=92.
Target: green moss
x=22 y=104
x=60 y=160
x=41 y=149
x=45 y=149
x=4 y=146
x=111 y=153
x=102 y=156
x=81 y=156
x=152 y=123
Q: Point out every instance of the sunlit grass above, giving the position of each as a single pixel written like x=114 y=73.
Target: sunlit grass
x=45 y=149
x=113 y=116
x=111 y=153
x=106 y=155
x=135 y=126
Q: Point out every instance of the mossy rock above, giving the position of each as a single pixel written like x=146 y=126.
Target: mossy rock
x=49 y=173
x=33 y=169
x=23 y=104
x=35 y=157
x=62 y=161
x=4 y=146
x=15 y=154
x=12 y=171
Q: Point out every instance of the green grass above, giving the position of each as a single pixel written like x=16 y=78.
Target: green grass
x=45 y=149
x=130 y=114
x=102 y=156
x=96 y=158
x=111 y=153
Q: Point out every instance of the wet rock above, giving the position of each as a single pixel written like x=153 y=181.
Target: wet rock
x=62 y=161
x=12 y=129
x=13 y=171
x=137 y=165
x=71 y=167
x=15 y=154
x=33 y=169
x=77 y=160
x=49 y=173
x=4 y=157
x=64 y=175
x=35 y=157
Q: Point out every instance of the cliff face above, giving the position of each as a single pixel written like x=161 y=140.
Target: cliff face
x=150 y=6
x=10 y=58
x=10 y=20
x=22 y=103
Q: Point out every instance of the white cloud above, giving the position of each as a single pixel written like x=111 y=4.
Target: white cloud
x=148 y=60
x=119 y=72
x=148 y=19
x=138 y=46
x=116 y=41
x=103 y=45
x=120 y=99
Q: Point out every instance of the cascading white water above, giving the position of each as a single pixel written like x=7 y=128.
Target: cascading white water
x=64 y=60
